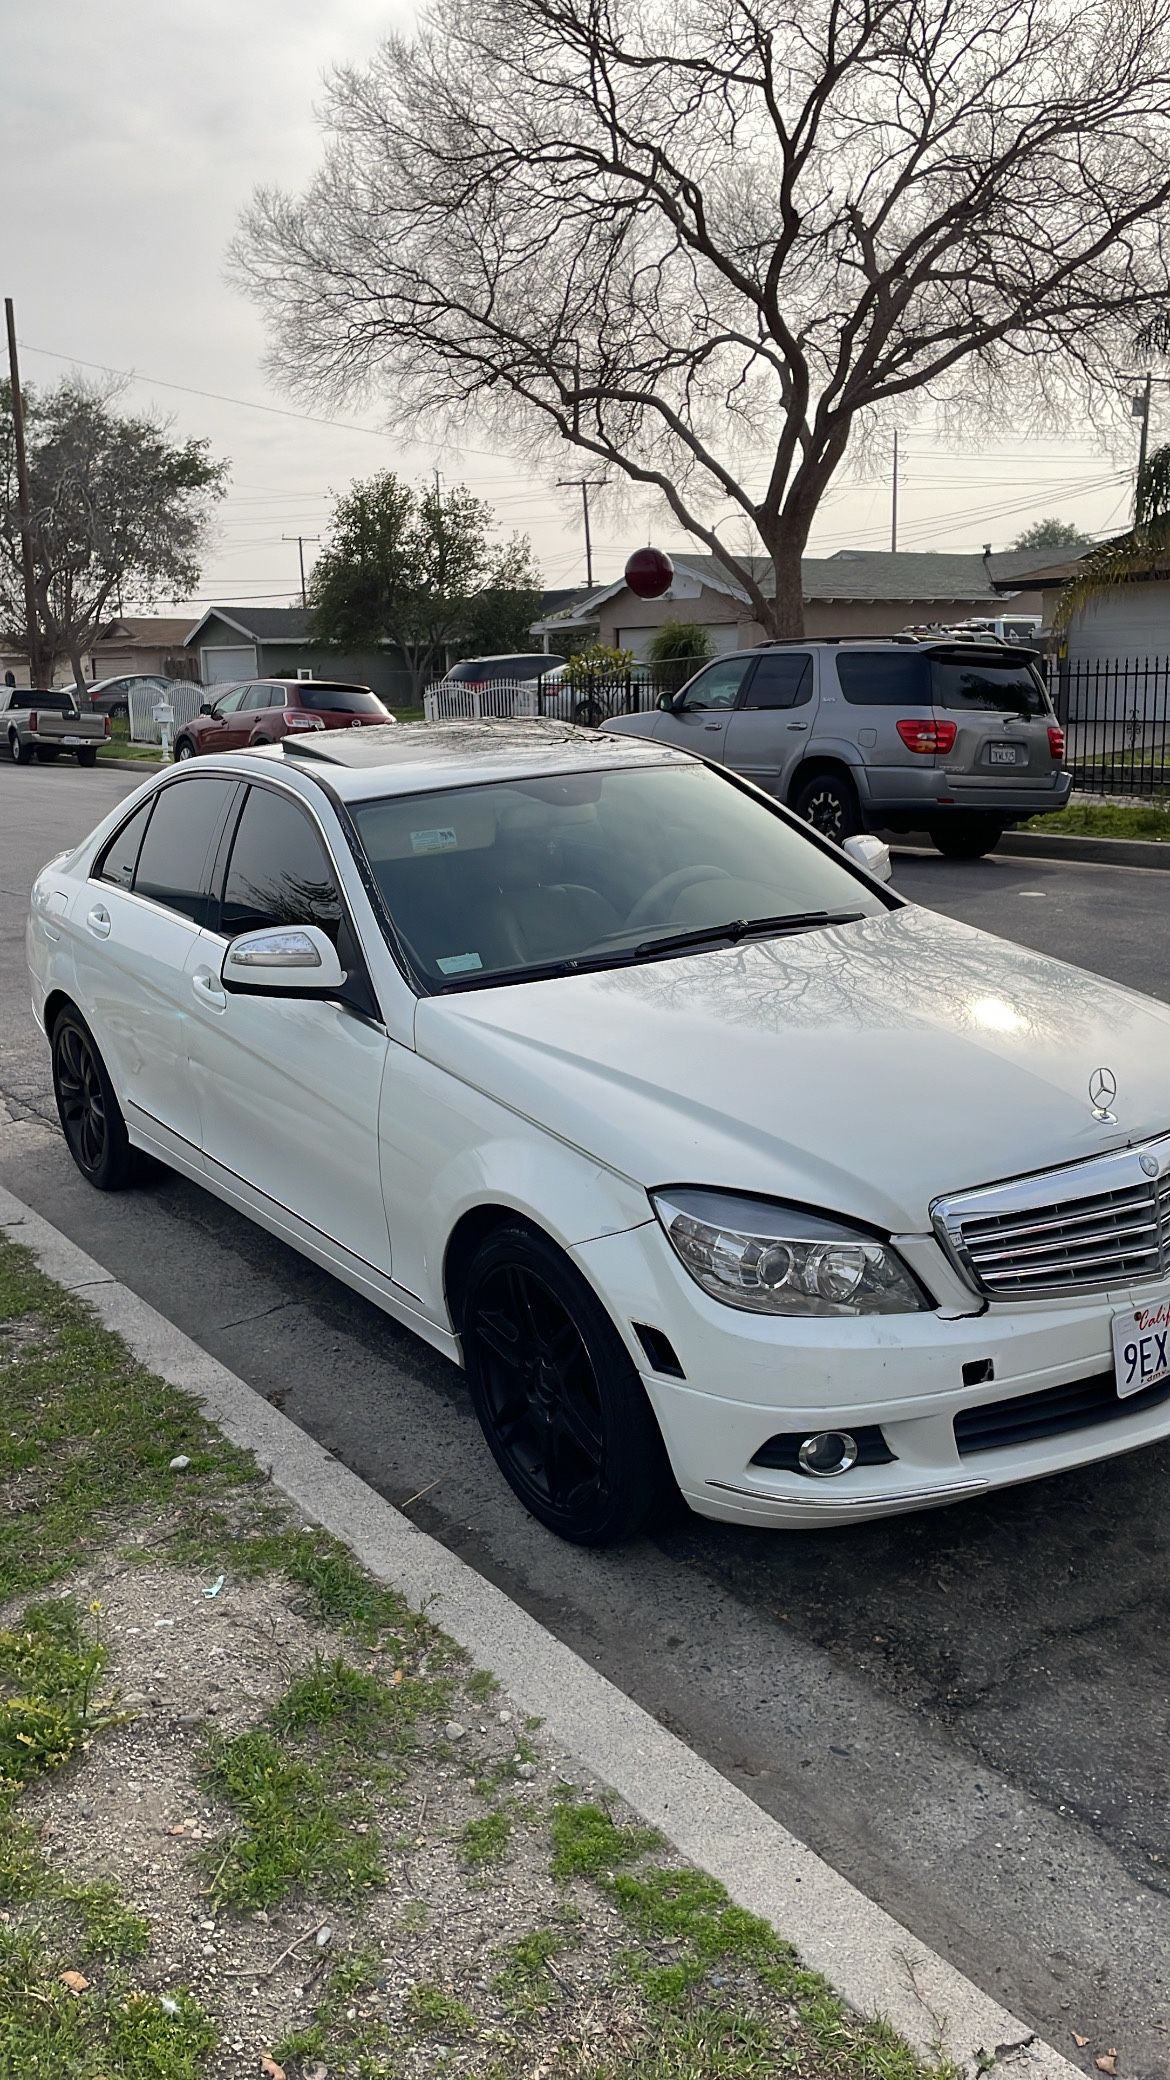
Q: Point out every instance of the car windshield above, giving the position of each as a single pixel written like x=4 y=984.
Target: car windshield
x=515 y=879
x=338 y=700
x=1009 y=688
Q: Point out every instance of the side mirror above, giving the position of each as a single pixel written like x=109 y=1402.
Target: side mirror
x=206 y=708
x=296 y=960
x=871 y=853
x=665 y=700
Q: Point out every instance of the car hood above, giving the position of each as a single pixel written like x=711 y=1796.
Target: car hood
x=867 y=1068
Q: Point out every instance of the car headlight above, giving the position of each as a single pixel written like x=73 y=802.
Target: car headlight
x=773 y=1259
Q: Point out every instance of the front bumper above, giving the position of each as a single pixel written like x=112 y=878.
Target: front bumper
x=749 y=1377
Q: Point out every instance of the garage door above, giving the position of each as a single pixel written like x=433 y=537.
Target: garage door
x=222 y=665
x=724 y=638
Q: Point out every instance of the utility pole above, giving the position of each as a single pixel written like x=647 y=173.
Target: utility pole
x=584 y=486
x=24 y=502
x=1141 y=409
x=894 y=499
x=300 y=540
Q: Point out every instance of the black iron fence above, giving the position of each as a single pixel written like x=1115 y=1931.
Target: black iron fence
x=1116 y=716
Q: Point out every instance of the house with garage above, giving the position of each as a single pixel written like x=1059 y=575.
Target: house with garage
x=234 y=642
x=854 y=592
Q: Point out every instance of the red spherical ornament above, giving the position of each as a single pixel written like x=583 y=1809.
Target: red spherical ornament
x=649 y=573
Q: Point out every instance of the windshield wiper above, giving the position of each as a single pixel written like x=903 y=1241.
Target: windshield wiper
x=538 y=971
x=745 y=928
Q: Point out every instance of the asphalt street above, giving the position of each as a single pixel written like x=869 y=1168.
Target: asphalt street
x=966 y=1712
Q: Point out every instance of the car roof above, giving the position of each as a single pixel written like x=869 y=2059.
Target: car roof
x=415 y=757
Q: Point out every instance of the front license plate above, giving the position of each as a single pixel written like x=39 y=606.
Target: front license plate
x=1141 y=1347
x=1006 y=755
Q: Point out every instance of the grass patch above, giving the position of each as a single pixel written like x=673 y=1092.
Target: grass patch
x=109 y=2028
x=482 y=1686
x=487 y=1838
x=1106 y=820
x=298 y=1825
x=587 y=1844
x=48 y=1671
x=438 y=2012
x=527 y=1981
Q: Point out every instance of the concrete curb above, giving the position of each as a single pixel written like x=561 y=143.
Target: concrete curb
x=878 y=1966
x=1101 y=852
x=134 y=765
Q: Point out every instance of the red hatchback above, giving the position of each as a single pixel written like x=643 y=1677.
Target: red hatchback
x=262 y=711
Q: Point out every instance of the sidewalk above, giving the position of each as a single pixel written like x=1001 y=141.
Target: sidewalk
x=261 y=1815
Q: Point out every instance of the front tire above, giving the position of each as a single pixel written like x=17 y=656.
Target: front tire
x=829 y=802
x=589 y=712
x=966 y=837
x=91 y=1118
x=557 y=1396
x=184 y=750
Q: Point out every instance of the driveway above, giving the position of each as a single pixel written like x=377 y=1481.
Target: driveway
x=966 y=1712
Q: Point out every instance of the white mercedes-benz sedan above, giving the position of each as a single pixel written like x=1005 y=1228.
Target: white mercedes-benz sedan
x=720 y=1168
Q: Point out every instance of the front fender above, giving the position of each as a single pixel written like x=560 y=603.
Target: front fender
x=447 y=1149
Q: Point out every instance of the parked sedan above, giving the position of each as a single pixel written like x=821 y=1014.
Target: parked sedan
x=262 y=711
x=112 y=696
x=720 y=1168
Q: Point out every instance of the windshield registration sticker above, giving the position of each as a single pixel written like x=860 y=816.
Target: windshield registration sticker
x=433 y=841
x=458 y=963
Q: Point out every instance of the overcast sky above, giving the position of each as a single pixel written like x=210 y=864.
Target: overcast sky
x=132 y=135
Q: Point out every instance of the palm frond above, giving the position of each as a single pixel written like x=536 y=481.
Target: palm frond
x=1144 y=552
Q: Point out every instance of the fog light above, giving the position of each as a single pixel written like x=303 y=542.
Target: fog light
x=831 y=1451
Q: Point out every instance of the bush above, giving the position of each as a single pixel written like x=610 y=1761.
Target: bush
x=678 y=650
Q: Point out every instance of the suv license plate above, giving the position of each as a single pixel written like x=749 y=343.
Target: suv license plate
x=1141 y=1347
x=1006 y=755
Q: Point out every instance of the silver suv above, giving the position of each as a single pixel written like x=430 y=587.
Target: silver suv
x=894 y=733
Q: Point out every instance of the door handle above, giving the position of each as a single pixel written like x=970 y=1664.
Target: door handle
x=208 y=989
x=99 y=921
x=798 y=725
x=712 y=725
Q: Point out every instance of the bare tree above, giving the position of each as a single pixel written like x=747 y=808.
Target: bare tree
x=712 y=241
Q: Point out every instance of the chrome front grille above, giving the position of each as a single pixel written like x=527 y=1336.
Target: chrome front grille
x=1105 y=1222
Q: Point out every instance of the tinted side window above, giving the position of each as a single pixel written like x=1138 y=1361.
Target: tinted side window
x=118 y=861
x=884 y=678
x=781 y=680
x=338 y=700
x=718 y=686
x=176 y=852
x=279 y=872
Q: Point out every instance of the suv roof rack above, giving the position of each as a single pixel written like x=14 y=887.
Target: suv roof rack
x=925 y=637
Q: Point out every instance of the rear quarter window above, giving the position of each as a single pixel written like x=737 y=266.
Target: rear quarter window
x=884 y=678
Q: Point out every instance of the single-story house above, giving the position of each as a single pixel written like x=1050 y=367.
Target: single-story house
x=1114 y=655
x=142 y=643
x=854 y=592
x=275 y=643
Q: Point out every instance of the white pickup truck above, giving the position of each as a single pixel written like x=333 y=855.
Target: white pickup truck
x=43 y=725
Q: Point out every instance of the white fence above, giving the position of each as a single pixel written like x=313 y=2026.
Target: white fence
x=449 y=700
x=185 y=698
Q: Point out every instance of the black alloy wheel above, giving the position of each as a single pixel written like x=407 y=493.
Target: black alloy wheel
x=91 y=1118
x=829 y=802
x=557 y=1396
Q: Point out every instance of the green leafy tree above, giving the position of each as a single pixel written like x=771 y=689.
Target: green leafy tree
x=419 y=568
x=677 y=651
x=120 y=514
x=1052 y=533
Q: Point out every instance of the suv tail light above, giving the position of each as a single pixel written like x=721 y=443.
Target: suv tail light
x=1056 y=740
x=295 y=718
x=928 y=737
